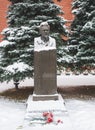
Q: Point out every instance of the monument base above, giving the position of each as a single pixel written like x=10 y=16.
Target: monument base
x=45 y=97
x=34 y=120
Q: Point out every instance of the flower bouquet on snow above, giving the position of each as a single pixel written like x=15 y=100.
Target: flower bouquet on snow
x=45 y=118
x=49 y=118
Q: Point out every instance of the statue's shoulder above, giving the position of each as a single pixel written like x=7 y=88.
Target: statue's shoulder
x=37 y=41
x=37 y=38
x=52 y=39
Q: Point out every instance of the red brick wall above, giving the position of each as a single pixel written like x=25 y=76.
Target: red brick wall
x=66 y=7
x=65 y=4
x=3 y=10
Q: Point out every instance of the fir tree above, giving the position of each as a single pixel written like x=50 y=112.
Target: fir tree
x=82 y=38
x=24 y=18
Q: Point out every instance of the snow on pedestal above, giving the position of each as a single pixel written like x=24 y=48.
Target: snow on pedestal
x=40 y=46
x=34 y=115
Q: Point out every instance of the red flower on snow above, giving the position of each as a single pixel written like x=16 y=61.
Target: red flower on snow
x=59 y=121
x=49 y=117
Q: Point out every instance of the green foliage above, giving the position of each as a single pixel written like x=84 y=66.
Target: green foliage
x=82 y=37
x=24 y=18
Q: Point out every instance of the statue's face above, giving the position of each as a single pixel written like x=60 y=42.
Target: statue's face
x=44 y=30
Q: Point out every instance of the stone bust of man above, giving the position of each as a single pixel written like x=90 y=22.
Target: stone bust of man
x=44 y=41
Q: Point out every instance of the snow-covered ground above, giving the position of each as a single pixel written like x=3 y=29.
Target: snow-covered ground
x=75 y=80
x=81 y=112
x=11 y=114
x=62 y=80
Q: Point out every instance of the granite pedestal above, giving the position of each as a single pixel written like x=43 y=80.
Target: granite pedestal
x=45 y=83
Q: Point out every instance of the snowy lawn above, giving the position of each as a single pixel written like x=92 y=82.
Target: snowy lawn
x=11 y=114
x=82 y=114
x=81 y=111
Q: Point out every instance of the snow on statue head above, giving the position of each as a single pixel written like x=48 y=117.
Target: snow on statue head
x=44 y=31
x=44 y=24
x=44 y=42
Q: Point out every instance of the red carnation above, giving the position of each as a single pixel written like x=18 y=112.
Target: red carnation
x=59 y=121
x=45 y=114
x=49 y=120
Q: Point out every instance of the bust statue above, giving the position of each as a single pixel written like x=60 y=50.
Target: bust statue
x=45 y=86
x=44 y=41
